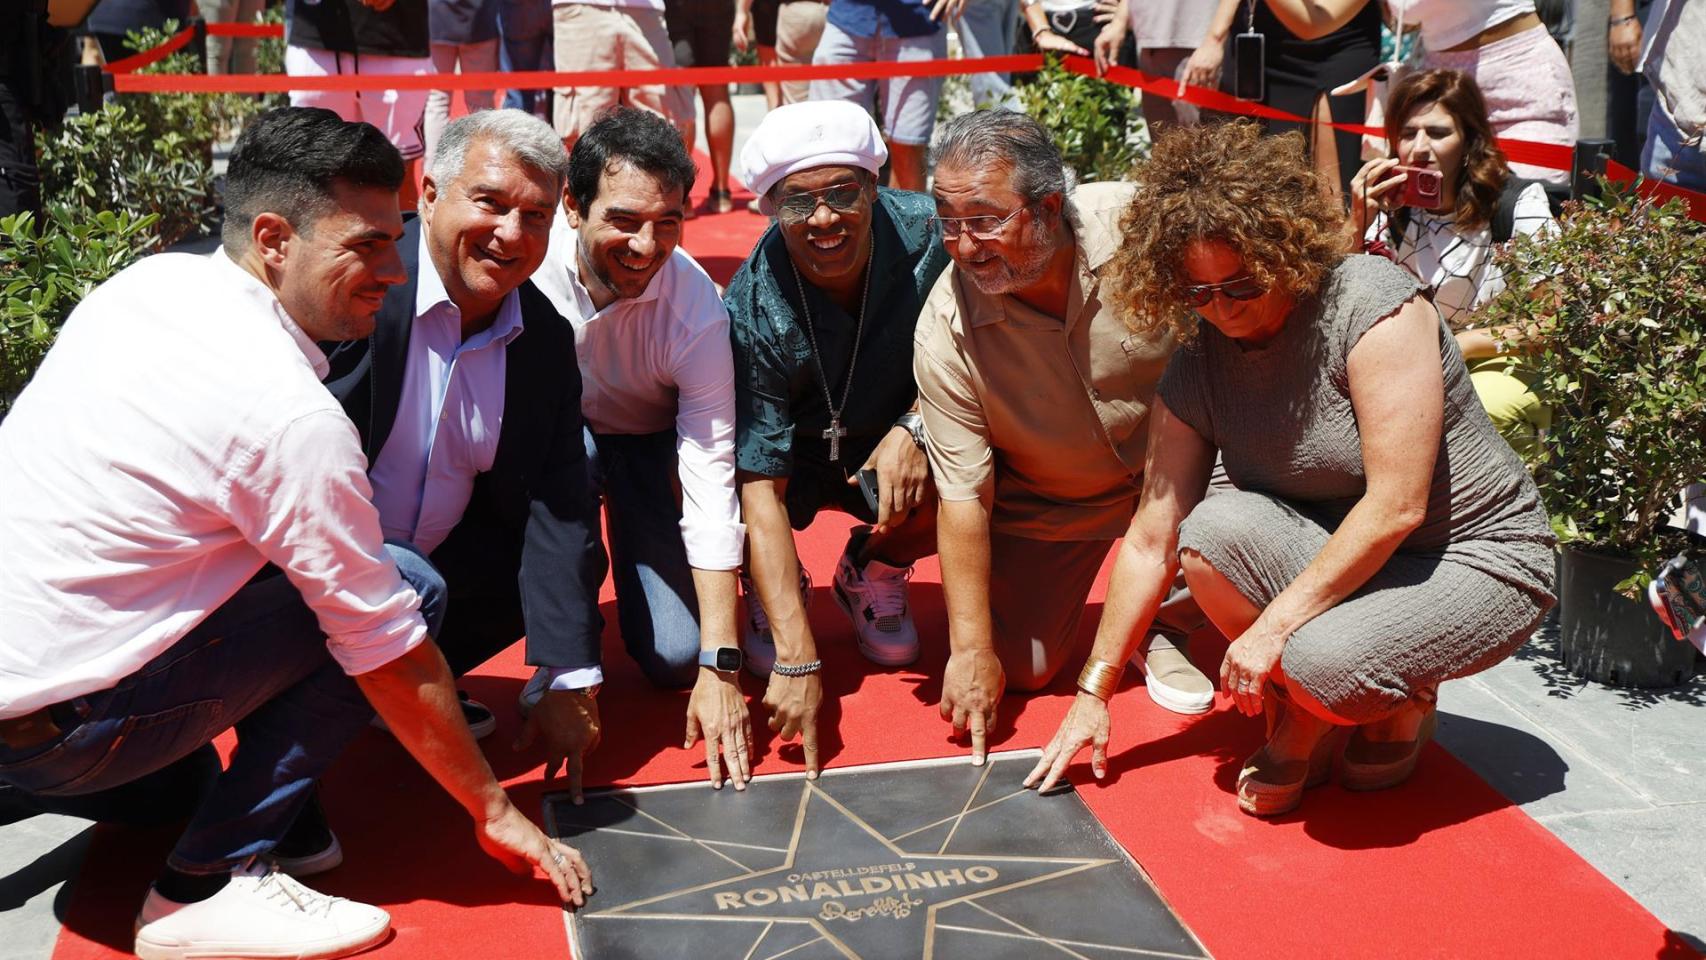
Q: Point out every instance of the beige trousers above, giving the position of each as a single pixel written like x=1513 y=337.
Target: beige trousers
x=590 y=37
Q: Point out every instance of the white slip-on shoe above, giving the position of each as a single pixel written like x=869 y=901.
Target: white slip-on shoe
x=758 y=644
x=874 y=598
x=1172 y=680
x=260 y=913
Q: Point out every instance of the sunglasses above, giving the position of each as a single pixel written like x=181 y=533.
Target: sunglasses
x=1238 y=288
x=981 y=228
x=799 y=207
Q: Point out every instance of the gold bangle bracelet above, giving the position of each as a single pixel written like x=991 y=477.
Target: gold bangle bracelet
x=1099 y=678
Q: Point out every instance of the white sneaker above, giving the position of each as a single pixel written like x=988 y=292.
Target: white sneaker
x=260 y=913
x=1173 y=681
x=874 y=598
x=758 y=644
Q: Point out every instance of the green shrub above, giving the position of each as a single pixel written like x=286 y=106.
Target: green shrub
x=1615 y=303
x=1095 y=123
x=132 y=178
x=47 y=269
x=113 y=160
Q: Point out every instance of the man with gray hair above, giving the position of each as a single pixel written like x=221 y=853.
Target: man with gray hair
x=467 y=401
x=1035 y=396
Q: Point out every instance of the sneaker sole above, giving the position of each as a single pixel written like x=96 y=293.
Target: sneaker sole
x=299 y=867
x=324 y=949
x=885 y=658
x=1177 y=701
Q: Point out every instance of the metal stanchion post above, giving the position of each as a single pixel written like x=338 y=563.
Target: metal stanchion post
x=1588 y=167
x=198 y=42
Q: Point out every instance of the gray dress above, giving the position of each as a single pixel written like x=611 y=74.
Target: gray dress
x=1465 y=589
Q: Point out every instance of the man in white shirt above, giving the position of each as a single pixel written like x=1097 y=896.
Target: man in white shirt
x=652 y=343
x=176 y=442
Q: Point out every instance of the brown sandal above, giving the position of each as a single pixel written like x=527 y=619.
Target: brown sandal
x=1379 y=764
x=1269 y=788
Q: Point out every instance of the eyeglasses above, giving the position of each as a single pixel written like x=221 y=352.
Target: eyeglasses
x=981 y=228
x=1238 y=288
x=799 y=207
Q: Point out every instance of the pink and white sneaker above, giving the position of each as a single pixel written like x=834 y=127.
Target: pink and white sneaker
x=874 y=597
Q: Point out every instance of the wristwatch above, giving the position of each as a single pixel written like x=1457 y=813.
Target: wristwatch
x=912 y=423
x=721 y=659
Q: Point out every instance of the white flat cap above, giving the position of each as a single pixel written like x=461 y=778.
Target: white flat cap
x=800 y=136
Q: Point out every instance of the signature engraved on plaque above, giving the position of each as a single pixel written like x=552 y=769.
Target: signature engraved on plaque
x=897 y=908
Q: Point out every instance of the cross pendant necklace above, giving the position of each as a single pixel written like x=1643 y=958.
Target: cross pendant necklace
x=835 y=431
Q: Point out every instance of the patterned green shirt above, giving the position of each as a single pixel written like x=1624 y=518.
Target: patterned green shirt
x=780 y=413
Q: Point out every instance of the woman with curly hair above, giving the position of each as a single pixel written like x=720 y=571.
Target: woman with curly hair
x=1437 y=120
x=1381 y=539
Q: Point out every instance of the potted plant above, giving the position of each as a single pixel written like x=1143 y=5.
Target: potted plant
x=1614 y=305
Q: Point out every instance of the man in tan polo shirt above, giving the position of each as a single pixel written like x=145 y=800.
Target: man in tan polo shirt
x=1035 y=397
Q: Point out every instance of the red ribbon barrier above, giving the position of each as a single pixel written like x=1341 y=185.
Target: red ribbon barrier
x=1553 y=156
x=150 y=57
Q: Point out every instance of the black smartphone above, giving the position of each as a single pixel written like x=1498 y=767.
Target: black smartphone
x=1249 y=65
x=868 y=487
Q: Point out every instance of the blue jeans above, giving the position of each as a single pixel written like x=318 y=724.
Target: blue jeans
x=258 y=663
x=1667 y=158
x=526 y=29
x=657 y=608
x=987 y=29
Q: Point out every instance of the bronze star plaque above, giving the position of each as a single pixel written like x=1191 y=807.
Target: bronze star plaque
x=929 y=859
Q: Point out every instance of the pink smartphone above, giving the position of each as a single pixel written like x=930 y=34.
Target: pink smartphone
x=1421 y=187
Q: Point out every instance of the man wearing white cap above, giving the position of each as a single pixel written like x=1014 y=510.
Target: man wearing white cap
x=821 y=316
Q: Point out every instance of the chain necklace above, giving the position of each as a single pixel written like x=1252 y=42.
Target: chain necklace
x=835 y=431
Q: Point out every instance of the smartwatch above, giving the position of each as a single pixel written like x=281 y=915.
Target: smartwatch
x=722 y=659
x=914 y=424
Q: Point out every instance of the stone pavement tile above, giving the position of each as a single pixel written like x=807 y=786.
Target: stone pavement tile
x=37 y=857
x=1648 y=739
x=1654 y=855
x=1521 y=759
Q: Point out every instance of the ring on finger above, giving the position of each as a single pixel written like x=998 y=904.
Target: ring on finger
x=557 y=857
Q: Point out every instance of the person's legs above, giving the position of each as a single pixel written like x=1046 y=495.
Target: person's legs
x=584 y=37
x=836 y=46
x=1515 y=411
x=437 y=111
x=20 y=178
x=260 y=663
x=656 y=605
x=1667 y=158
x=908 y=107
x=1034 y=629
x=799 y=29
x=308 y=62
x=1166 y=62
x=986 y=30
x=646 y=46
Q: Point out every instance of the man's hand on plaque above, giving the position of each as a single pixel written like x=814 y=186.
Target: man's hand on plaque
x=568 y=720
x=1086 y=725
x=717 y=711
x=971 y=690
x=793 y=703
x=902 y=471
x=517 y=843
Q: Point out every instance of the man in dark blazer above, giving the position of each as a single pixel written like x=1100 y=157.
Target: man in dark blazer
x=467 y=399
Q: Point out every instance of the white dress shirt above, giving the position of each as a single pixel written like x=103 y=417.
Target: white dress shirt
x=175 y=440
x=448 y=417
x=661 y=361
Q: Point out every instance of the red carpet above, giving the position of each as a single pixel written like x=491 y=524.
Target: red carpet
x=1442 y=867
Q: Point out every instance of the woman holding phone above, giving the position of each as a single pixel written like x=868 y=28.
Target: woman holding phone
x=1501 y=44
x=1441 y=205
